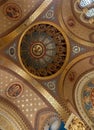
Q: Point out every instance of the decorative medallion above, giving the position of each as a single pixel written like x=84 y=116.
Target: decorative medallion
x=12 y=51
x=37 y=50
x=42 y=50
x=50 y=14
x=76 y=49
x=12 y=11
x=84 y=97
x=14 y=90
x=77 y=19
x=53 y=123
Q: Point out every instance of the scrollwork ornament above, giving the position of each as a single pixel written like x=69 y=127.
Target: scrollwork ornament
x=76 y=124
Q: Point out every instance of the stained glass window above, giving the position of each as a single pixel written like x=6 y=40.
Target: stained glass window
x=85 y=3
x=90 y=13
x=86 y=10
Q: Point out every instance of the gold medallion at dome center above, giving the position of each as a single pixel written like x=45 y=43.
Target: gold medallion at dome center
x=37 y=50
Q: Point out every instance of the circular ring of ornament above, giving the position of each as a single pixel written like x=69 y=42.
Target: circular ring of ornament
x=14 y=90
x=84 y=98
x=77 y=21
x=43 y=50
x=12 y=11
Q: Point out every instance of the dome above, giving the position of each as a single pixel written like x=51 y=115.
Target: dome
x=84 y=97
x=42 y=50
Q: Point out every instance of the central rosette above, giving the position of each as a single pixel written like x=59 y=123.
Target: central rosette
x=37 y=50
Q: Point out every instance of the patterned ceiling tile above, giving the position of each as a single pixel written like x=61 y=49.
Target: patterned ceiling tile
x=15 y=90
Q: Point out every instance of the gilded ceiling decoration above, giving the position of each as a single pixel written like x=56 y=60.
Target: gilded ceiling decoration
x=86 y=11
x=71 y=76
x=12 y=34
x=76 y=124
x=43 y=49
x=85 y=88
x=79 y=91
x=76 y=24
x=47 y=65
x=11 y=118
x=21 y=95
x=13 y=13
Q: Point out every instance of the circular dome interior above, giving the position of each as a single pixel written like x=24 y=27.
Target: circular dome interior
x=84 y=97
x=42 y=50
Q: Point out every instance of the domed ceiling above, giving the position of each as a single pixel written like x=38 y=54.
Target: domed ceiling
x=42 y=49
x=47 y=65
x=13 y=13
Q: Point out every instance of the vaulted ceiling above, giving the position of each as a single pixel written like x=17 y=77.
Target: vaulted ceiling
x=46 y=64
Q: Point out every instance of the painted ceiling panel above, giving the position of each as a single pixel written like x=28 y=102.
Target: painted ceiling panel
x=14 y=12
x=22 y=95
x=47 y=64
